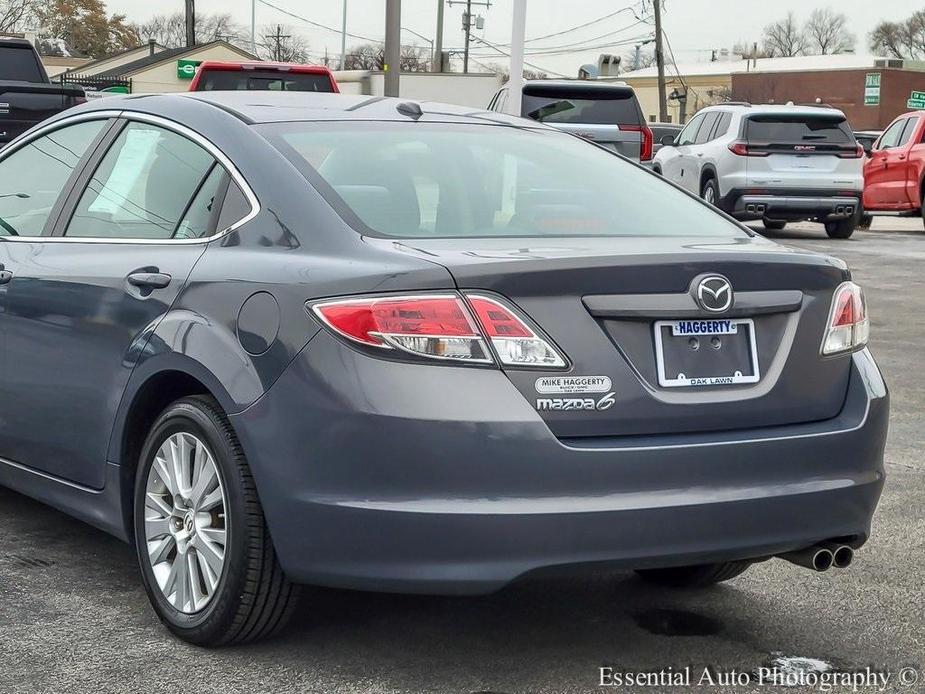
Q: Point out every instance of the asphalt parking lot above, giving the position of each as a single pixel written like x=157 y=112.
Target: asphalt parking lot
x=74 y=618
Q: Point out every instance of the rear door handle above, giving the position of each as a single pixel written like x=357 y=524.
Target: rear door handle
x=151 y=280
x=5 y=276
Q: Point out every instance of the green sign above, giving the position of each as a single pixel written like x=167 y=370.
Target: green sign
x=117 y=89
x=872 y=89
x=917 y=96
x=186 y=69
x=917 y=104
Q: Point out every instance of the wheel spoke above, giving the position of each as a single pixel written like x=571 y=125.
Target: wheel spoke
x=157 y=503
x=159 y=549
x=156 y=527
x=195 y=579
x=182 y=583
x=164 y=470
x=206 y=478
x=213 y=555
x=209 y=575
x=211 y=500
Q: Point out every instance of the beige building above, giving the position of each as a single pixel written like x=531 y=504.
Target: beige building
x=154 y=69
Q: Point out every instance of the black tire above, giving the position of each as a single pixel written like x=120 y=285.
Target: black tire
x=774 y=224
x=699 y=576
x=712 y=196
x=841 y=229
x=253 y=598
x=865 y=221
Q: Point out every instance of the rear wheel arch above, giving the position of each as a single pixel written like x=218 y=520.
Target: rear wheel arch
x=706 y=173
x=147 y=402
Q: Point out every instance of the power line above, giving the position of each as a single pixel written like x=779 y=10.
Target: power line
x=316 y=24
x=631 y=8
x=508 y=55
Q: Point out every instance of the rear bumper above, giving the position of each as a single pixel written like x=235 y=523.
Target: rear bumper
x=459 y=487
x=745 y=204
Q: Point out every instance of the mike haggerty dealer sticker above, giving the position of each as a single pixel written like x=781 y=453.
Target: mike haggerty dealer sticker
x=573 y=384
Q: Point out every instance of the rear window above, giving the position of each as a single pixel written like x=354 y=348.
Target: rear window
x=438 y=180
x=19 y=64
x=798 y=128
x=263 y=80
x=574 y=105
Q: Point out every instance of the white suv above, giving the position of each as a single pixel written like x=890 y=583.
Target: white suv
x=773 y=163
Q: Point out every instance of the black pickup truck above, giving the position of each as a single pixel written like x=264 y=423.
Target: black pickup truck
x=27 y=96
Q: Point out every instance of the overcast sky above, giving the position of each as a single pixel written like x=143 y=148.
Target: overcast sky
x=693 y=26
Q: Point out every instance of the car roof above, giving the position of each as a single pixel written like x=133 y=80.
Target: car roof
x=793 y=109
x=231 y=65
x=284 y=106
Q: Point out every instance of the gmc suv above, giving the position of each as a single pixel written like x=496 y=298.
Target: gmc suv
x=776 y=163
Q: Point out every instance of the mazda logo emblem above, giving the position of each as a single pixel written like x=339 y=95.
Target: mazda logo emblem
x=714 y=294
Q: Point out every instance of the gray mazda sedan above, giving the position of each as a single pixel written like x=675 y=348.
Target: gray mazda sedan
x=284 y=339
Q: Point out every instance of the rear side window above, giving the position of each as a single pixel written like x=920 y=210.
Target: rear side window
x=19 y=64
x=263 y=80
x=776 y=128
x=438 y=180
x=597 y=107
x=706 y=128
x=689 y=133
x=142 y=187
x=722 y=127
x=33 y=176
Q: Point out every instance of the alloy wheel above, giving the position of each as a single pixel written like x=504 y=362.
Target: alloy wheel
x=186 y=531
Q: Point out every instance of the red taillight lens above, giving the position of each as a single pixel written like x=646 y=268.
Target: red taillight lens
x=440 y=327
x=646 y=139
x=849 y=327
x=857 y=153
x=742 y=149
x=430 y=326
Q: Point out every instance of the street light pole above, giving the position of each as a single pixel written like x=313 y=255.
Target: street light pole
x=392 y=65
x=254 y=27
x=343 y=40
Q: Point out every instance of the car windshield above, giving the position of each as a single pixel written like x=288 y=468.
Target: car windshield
x=457 y=180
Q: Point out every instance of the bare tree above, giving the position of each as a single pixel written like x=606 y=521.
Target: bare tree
x=371 y=56
x=646 y=59
x=170 y=29
x=14 y=14
x=827 y=32
x=904 y=39
x=504 y=73
x=784 y=38
x=278 y=43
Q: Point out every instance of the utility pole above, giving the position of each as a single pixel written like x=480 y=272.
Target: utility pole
x=392 y=47
x=660 y=62
x=467 y=27
x=343 y=40
x=190 y=23
x=254 y=27
x=278 y=37
x=438 y=44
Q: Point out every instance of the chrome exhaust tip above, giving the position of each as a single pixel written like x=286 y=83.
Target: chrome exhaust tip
x=849 y=210
x=750 y=208
x=842 y=555
x=817 y=558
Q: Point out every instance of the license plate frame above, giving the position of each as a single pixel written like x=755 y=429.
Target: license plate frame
x=693 y=381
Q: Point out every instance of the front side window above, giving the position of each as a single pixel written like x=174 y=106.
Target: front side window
x=891 y=135
x=33 y=176
x=142 y=186
x=439 y=180
x=689 y=133
x=907 y=131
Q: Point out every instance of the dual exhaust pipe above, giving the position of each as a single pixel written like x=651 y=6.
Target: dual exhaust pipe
x=844 y=210
x=822 y=557
x=756 y=208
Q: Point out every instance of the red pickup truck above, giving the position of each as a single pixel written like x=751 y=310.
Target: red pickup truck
x=292 y=77
x=894 y=174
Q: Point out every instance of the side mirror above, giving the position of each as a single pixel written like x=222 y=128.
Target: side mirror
x=667 y=141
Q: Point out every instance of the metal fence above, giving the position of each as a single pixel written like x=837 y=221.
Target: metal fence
x=93 y=82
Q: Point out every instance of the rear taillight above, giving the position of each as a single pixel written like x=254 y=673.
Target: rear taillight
x=440 y=327
x=515 y=343
x=856 y=153
x=743 y=150
x=645 y=142
x=848 y=326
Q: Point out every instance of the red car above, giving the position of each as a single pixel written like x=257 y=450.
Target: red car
x=284 y=77
x=894 y=173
